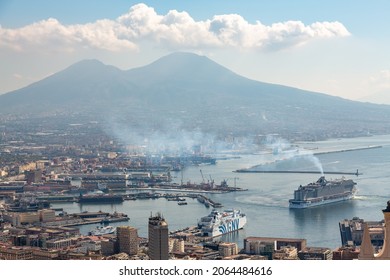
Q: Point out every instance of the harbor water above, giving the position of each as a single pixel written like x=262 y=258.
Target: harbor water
x=266 y=200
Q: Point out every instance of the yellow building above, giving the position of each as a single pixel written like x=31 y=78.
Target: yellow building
x=44 y=254
x=15 y=253
x=27 y=166
x=285 y=253
x=176 y=245
x=28 y=218
x=47 y=215
x=127 y=238
x=227 y=249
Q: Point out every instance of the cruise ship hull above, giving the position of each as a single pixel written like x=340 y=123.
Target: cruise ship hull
x=319 y=202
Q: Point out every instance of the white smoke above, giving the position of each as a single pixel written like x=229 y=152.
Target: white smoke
x=282 y=150
x=167 y=138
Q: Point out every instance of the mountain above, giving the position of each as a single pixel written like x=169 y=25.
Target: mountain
x=191 y=92
x=83 y=83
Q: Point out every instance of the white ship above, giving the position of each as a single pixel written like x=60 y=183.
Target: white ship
x=323 y=192
x=219 y=223
x=103 y=230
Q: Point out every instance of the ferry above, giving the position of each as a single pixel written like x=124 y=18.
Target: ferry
x=218 y=223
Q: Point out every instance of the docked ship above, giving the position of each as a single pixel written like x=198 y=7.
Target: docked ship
x=219 y=223
x=100 y=198
x=323 y=192
x=102 y=230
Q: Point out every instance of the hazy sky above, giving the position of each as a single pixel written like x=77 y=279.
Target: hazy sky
x=335 y=47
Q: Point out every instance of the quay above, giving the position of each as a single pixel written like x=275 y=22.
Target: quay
x=180 y=197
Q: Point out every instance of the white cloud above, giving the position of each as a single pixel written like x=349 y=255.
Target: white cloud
x=175 y=30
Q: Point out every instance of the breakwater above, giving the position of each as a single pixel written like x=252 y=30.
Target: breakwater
x=349 y=150
x=357 y=173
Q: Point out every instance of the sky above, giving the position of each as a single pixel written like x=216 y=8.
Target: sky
x=340 y=48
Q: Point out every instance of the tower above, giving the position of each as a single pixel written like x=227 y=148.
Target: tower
x=158 y=238
x=384 y=254
x=366 y=251
x=127 y=238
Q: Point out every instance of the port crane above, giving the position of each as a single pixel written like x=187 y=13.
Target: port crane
x=201 y=173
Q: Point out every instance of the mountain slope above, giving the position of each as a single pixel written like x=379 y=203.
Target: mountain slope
x=195 y=93
x=84 y=84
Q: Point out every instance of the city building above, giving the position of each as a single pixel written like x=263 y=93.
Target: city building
x=176 y=245
x=351 y=231
x=23 y=218
x=15 y=253
x=89 y=246
x=285 y=253
x=34 y=176
x=227 y=249
x=45 y=254
x=265 y=246
x=47 y=215
x=315 y=253
x=127 y=238
x=158 y=238
x=346 y=253
x=108 y=247
x=59 y=243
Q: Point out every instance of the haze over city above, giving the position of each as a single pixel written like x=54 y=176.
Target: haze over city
x=332 y=47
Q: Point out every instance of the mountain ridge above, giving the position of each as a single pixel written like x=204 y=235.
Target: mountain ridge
x=194 y=91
